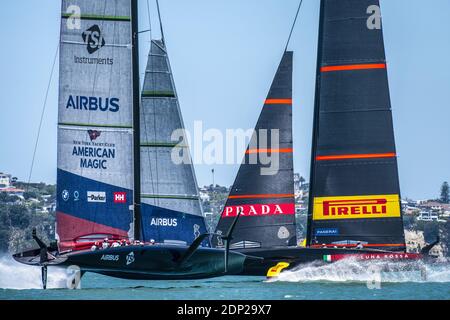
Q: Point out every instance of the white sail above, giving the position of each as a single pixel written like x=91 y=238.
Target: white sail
x=171 y=207
x=95 y=137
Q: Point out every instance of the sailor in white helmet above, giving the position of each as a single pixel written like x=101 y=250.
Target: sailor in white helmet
x=115 y=244
x=152 y=242
x=105 y=244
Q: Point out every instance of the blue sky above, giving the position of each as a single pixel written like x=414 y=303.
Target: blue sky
x=224 y=54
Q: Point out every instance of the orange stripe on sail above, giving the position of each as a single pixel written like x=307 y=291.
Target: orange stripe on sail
x=278 y=101
x=261 y=196
x=356 y=156
x=253 y=151
x=354 y=67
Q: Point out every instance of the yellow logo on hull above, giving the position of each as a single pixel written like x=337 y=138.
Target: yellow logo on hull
x=357 y=207
x=275 y=271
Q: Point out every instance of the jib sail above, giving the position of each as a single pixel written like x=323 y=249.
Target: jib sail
x=171 y=210
x=355 y=193
x=265 y=192
x=94 y=179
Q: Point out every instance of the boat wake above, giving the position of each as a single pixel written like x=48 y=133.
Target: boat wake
x=350 y=270
x=14 y=275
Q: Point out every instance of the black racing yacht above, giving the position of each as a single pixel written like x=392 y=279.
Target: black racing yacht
x=354 y=200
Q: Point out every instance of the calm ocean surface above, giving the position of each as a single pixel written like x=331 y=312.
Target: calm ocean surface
x=348 y=280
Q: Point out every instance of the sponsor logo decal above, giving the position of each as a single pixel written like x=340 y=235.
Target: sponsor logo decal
x=65 y=195
x=326 y=232
x=196 y=231
x=164 y=222
x=96 y=196
x=259 y=210
x=219 y=238
x=283 y=233
x=93 y=39
x=373 y=256
x=93 y=103
x=94 y=134
x=357 y=207
x=130 y=258
x=110 y=257
x=120 y=197
x=76 y=196
x=94 y=155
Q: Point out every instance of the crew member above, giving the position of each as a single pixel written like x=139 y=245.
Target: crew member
x=105 y=244
x=115 y=244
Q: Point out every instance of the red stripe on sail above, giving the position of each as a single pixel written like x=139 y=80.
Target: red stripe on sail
x=356 y=156
x=331 y=245
x=354 y=67
x=261 y=196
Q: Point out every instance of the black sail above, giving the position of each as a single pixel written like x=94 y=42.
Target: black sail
x=355 y=193
x=264 y=194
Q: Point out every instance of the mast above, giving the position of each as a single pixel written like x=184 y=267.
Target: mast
x=315 y=126
x=160 y=24
x=136 y=122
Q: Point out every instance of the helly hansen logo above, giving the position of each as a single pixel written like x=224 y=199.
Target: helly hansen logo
x=259 y=210
x=93 y=39
x=120 y=197
x=356 y=207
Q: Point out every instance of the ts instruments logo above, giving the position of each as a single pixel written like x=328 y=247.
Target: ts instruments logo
x=357 y=207
x=93 y=39
x=120 y=197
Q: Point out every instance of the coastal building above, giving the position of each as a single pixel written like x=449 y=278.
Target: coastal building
x=428 y=216
x=204 y=196
x=7 y=187
x=5 y=181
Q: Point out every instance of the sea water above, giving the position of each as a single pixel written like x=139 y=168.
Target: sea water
x=349 y=280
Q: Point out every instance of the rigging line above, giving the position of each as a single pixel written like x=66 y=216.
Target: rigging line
x=42 y=114
x=149 y=20
x=160 y=23
x=293 y=25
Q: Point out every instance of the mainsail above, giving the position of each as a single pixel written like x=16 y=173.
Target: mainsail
x=171 y=209
x=355 y=193
x=266 y=200
x=95 y=123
